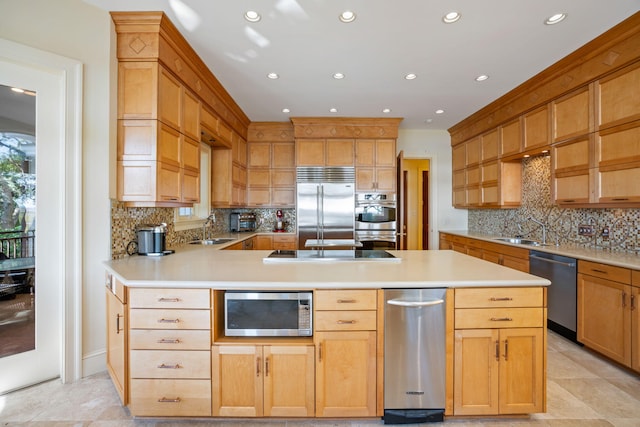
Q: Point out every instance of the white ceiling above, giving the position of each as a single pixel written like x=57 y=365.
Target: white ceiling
x=305 y=43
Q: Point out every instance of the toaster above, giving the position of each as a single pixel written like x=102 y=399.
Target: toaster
x=242 y=221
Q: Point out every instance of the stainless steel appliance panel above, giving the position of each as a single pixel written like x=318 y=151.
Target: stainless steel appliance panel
x=414 y=353
x=561 y=294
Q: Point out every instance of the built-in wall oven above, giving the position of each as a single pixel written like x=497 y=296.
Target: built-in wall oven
x=376 y=220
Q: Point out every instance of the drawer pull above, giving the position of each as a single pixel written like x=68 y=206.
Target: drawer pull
x=346 y=322
x=347 y=301
x=163 y=320
x=163 y=366
x=167 y=400
x=501 y=319
x=500 y=299
x=161 y=299
x=168 y=341
x=598 y=271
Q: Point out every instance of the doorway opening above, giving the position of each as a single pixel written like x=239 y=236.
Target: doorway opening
x=415 y=182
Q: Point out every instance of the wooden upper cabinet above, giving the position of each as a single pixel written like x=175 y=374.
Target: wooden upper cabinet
x=572 y=115
x=510 y=138
x=459 y=158
x=138 y=90
x=283 y=155
x=537 y=127
x=572 y=171
x=339 y=152
x=473 y=152
x=259 y=155
x=375 y=164
x=190 y=115
x=618 y=97
x=169 y=100
x=489 y=146
x=310 y=152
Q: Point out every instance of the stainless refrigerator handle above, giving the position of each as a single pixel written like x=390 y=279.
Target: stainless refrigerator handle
x=318 y=221
x=415 y=303
x=321 y=207
x=552 y=261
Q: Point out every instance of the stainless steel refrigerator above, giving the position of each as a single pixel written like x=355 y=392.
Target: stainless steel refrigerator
x=325 y=204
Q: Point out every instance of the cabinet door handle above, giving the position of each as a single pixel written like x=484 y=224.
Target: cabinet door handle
x=266 y=366
x=169 y=400
x=320 y=352
x=506 y=349
x=500 y=299
x=163 y=320
x=624 y=299
x=497 y=351
x=620 y=199
x=258 y=361
x=501 y=319
x=118 y=316
x=598 y=271
x=633 y=302
x=161 y=299
x=168 y=341
x=346 y=322
x=163 y=366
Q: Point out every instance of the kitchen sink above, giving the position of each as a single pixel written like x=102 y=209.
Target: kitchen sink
x=518 y=241
x=212 y=241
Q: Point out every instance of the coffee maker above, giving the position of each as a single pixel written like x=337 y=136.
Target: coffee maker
x=280 y=224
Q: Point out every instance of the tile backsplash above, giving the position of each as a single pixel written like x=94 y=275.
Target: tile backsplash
x=561 y=223
x=124 y=221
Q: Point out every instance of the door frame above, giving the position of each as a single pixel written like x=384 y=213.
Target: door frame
x=69 y=74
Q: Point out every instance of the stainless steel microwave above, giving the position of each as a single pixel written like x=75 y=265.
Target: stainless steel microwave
x=269 y=314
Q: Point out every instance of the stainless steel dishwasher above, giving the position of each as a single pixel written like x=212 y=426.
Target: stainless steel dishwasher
x=561 y=294
x=414 y=355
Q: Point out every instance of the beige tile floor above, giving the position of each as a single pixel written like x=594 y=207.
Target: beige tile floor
x=583 y=390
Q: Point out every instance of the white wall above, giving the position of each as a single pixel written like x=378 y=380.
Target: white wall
x=76 y=30
x=436 y=146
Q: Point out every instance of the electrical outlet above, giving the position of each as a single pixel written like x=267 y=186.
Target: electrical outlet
x=605 y=232
x=586 y=230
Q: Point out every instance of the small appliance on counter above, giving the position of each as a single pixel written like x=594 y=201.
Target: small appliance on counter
x=242 y=222
x=151 y=240
x=281 y=225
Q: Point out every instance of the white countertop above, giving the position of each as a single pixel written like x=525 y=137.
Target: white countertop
x=620 y=259
x=197 y=266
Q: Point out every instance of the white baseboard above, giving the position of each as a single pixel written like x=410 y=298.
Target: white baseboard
x=94 y=363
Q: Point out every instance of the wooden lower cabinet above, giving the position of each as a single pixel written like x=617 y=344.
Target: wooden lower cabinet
x=256 y=380
x=499 y=351
x=509 y=256
x=345 y=374
x=170 y=398
x=117 y=326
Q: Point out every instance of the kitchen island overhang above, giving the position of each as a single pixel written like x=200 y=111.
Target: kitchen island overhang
x=206 y=267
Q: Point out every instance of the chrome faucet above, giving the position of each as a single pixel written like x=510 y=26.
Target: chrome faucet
x=544 y=230
x=211 y=219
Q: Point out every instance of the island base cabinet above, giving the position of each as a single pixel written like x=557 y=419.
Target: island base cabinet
x=498 y=371
x=270 y=381
x=346 y=374
x=117 y=344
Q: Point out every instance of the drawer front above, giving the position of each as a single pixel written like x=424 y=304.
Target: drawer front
x=604 y=271
x=345 y=321
x=171 y=398
x=498 y=297
x=169 y=319
x=170 y=364
x=169 y=298
x=277 y=238
x=345 y=299
x=493 y=318
x=159 y=339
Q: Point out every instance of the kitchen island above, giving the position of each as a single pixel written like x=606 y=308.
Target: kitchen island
x=168 y=354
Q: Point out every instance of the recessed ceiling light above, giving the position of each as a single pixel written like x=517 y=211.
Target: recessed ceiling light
x=286 y=110
x=439 y=111
x=273 y=76
x=333 y=110
x=386 y=110
x=554 y=19
x=482 y=78
x=428 y=120
x=347 y=16
x=410 y=76
x=252 y=16
x=451 y=17
x=338 y=76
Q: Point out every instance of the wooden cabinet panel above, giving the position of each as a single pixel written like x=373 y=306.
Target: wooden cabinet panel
x=572 y=115
x=289 y=379
x=283 y=155
x=490 y=146
x=310 y=152
x=169 y=99
x=517 y=317
x=117 y=326
x=498 y=297
x=283 y=178
x=375 y=164
x=510 y=138
x=339 y=152
x=170 y=319
x=536 y=126
x=170 y=398
x=473 y=152
x=190 y=115
x=345 y=299
x=284 y=242
x=386 y=153
x=159 y=339
x=459 y=159
x=186 y=364
x=137 y=90
x=169 y=298
x=386 y=179
x=258 y=178
x=345 y=374
x=236 y=381
x=263 y=242
x=618 y=97
x=346 y=320
x=259 y=155
x=573 y=155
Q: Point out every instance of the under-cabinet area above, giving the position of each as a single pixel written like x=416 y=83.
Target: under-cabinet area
x=171 y=352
